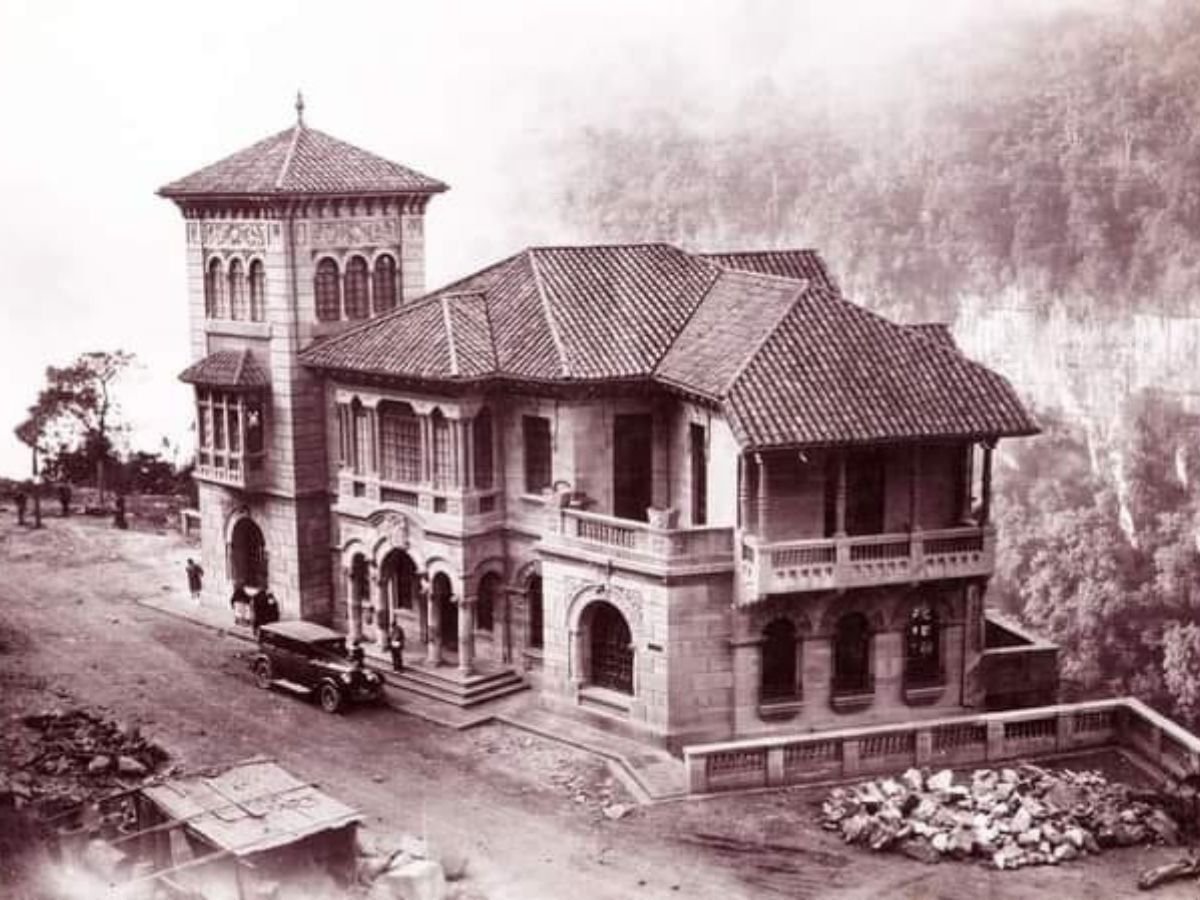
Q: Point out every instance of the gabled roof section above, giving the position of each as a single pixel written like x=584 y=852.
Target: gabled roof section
x=230 y=370
x=790 y=361
x=803 y=265
x=835 y=373
x=301 y=161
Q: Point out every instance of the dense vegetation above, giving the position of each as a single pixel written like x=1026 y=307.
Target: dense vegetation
x=1061 y=155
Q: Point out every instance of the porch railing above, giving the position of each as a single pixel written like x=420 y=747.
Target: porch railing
x=639 y=541
x=863 y=560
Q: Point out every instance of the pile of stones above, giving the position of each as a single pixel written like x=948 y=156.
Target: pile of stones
x=75 y=756
x=1023 y=816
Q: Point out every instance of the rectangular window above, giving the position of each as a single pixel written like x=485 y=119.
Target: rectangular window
x=698 y=441
x=203 y=429
x=536 y=442
x=483 y=464
x=400 y=446
x=362 y=439
x=443 y=456
x=218 y=421
x=235 y=428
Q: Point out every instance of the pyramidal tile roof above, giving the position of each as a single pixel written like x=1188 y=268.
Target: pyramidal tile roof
x=790 y=361
x=301 y=161
x=228 y=369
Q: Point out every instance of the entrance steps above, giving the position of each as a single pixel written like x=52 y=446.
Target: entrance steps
x=447 y=684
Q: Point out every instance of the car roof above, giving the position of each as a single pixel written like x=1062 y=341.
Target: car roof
x=302 y=631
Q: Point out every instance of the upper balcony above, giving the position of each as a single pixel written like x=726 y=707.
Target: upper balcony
x=785 y=567
x=245 y=471
x=658 y=548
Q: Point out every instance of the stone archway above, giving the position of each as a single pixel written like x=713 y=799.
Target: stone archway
x=608 y=645
x=447 y=611
x=247 y=554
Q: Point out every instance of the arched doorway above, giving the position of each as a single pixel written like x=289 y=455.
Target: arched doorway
x=779 y=681
x=248 y=555
x=533 y=600
x=443 y=598
x=397 y=587
x=610 y=647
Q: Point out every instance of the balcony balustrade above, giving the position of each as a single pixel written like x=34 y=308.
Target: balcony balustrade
x=596 y=537
x=246 y=471
x=365 y=494
x=863 y=561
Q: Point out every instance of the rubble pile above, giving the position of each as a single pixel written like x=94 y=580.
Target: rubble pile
x=1025 y=816
x=75 y=757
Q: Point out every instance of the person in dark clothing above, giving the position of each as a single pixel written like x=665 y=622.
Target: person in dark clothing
x=195 y=578
x=119 y=517
x=240 y=601
x=64 y=499
x=396 y=640
x=21 y=499
x=270 y=608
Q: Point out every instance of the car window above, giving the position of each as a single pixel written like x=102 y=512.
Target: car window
x=331 y=647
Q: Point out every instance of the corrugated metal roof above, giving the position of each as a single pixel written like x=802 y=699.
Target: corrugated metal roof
x=250 y=807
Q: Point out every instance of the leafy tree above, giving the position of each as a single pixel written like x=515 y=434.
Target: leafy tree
x=76 y=408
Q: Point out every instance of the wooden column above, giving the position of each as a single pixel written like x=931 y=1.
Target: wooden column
x=840 y=508
x=985 y=509
x=761 y=463
x=914 y=489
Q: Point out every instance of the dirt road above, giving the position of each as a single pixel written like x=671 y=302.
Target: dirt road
x=70 y=631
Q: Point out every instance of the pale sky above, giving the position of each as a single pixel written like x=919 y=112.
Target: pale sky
x=102 y=103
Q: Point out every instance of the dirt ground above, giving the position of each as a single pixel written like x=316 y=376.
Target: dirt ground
x=526 y=813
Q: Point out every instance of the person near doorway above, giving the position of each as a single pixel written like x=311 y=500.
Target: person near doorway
x=396 y=641
x=195 y=579
x=64 y=499
x=21 y=499
x=240 y=601
x=270 y=608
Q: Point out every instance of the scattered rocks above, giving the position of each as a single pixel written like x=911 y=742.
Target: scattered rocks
x=1011 y=817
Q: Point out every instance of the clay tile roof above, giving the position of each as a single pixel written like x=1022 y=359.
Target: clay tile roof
x=805 y=265
x=790 y=361
x=301 y=160
x=227 y=369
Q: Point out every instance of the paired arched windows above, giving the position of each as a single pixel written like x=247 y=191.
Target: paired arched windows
x=230 y=294
x=354 y=293
x=357 y=293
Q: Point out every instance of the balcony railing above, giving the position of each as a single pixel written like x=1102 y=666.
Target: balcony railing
x=595 y=535
x=245 y=471
x=420 y=497
x=863 y=560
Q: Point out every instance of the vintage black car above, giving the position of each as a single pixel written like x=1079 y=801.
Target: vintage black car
x=312 y=660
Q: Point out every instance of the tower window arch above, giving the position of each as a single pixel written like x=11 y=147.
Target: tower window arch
x=238 y=306
x=356 y=297
x=258 y=285
x=214 y=289
x=384 y=286
x=327 y=290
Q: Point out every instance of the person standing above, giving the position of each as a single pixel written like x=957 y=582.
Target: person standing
x=21 y=499
x=64 y=499
x=195 y=579
x=240 y=601
x=396 y=640
x=270 y=608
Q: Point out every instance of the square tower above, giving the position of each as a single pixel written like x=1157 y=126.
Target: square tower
x=293 y=239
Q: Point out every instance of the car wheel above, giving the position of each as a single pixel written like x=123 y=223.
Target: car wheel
x=263 y=676
x=330 y=698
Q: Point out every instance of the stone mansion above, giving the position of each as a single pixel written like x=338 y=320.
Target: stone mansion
x=691 y=495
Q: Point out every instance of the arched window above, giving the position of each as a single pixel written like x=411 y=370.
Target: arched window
x=399 y=443
x=922 y=648
x=360 y=431
x=238 y=308
x=443 y=458
x=326 y=287
x=485 y=603
x=778 y=679
x=357 y=300
x=399 y=577
x=214 y=290
x=610 y=648
x=852 y=655
x=258 y=286
x=481 y=436
x=385 y=284
x=533 y=603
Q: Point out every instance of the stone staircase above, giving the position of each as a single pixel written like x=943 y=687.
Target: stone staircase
x=449 y=685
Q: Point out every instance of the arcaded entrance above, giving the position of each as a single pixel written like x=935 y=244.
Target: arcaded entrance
x=610 y=647
x=248 y=555
x=443 y=598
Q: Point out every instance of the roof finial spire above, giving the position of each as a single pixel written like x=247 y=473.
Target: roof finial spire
x=299 y=108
